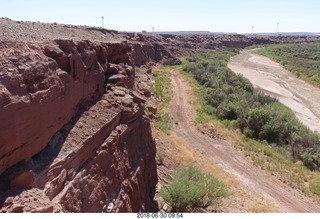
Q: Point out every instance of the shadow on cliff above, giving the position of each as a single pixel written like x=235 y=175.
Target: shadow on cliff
x=41 y=161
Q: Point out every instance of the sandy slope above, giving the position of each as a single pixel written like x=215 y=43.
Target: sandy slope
x=251 y=179
x=271 y=78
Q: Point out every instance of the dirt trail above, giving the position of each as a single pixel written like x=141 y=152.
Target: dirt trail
x=229 y=159
x=272 y=79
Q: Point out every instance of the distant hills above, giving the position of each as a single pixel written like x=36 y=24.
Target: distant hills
x=285 y=34
x=259 y=34
x=190 y=32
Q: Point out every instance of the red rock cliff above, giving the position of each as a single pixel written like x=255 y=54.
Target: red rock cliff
x=73 y=134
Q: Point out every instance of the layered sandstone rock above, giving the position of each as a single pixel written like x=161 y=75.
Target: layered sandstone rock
x=73 y=129
x=42 y=85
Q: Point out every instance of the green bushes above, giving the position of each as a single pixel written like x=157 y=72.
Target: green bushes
x=171 y=61
x=258 y=116
x=257 y=119
x=191 y=188
x=311 y=159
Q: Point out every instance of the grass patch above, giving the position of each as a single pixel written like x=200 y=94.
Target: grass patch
x=315 y=185
x=163 y=122
x=185 y=155
x=161 y=89
x=160 y=157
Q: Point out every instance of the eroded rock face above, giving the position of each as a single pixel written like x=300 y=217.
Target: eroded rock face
x=42 y=87
x=149 y=52
x=73 y=129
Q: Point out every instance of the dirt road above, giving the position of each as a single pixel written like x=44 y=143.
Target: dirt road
x=272 y=79
x=249 y=177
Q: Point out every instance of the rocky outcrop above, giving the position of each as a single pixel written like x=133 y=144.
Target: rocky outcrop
x=145 y=53
x=42 y=85
x=73 y=129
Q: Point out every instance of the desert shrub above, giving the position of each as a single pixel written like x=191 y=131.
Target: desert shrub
x=257 y=118
x=214 y=96
x=270 y=132
x=311 y=159
x=171 y=61
x=160 y=157
x=227 y=111
x=191 y=188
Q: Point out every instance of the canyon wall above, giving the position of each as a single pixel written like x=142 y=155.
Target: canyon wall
x=73 y=133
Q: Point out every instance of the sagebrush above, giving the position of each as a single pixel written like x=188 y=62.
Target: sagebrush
x=191 y=188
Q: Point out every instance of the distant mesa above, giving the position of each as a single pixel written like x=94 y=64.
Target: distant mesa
x=285 y=34
x=190 y=32
x=232 y=33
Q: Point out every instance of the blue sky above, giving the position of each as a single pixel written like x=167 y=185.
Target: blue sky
x=173 y=15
